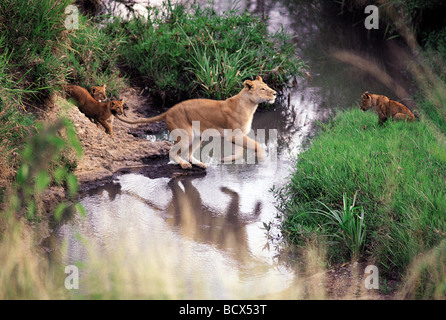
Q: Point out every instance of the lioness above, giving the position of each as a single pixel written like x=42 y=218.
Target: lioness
x=386 y=107
x=96 y=111
x=233 y=113
x=98 y=93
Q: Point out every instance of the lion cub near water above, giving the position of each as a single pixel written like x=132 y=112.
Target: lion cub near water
x=98 y=93
x=235 y=113
x=386 y=108
x=96 y=111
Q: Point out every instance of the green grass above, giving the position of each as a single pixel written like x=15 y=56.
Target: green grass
x=31 y=66
x=218 y=72
x=33 y=32
x=435 y=113
x=349 y=225
x=190 y=51
x=14 y=123
x=398 y=172
x=93 y=57
x=43 y=54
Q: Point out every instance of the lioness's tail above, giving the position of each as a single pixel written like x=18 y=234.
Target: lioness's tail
x=162 y=116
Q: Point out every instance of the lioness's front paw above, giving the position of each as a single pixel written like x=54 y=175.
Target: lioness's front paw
x=201 y=165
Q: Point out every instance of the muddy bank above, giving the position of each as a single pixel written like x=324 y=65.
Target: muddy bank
x=104 y=155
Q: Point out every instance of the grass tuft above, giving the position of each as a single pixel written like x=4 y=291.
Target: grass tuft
x=93 y=57
x=346 y=226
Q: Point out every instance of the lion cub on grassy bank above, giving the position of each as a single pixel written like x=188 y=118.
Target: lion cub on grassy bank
x=97 y=112
x=386 y=108
x=235 y=113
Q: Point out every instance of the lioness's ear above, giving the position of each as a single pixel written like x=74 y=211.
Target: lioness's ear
x=259 y=78
x=122 y=101
x=104 y=86
x=249 y=84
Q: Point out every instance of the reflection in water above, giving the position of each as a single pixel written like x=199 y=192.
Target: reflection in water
x=226 y=230
x=214 y=237
x=186 y=213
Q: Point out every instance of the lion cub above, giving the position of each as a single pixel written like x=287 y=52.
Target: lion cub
x=98 y=93
x=97 y=112
x=386 y=108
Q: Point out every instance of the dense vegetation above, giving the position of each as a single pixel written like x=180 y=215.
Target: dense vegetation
x=30 y=68
x=397 y=173
x=185 y=51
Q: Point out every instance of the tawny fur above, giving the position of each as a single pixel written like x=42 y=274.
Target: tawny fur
x=386 y=108
x=98 y=112
x=233 y=113
x=98 y=93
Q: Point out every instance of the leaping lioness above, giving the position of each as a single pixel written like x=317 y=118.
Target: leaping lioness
x=233 y=113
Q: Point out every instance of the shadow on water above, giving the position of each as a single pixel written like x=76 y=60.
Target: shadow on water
x=223 y=210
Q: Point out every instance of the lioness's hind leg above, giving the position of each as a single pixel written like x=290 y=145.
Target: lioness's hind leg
x=233 y=157
x=180 y=147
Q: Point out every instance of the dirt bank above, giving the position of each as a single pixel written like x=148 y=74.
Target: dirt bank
x=103 y=155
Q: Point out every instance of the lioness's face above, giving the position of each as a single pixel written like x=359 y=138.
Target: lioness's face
x=366 y=101
x=98 y=93
x=259 y=91
x=117 y=106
